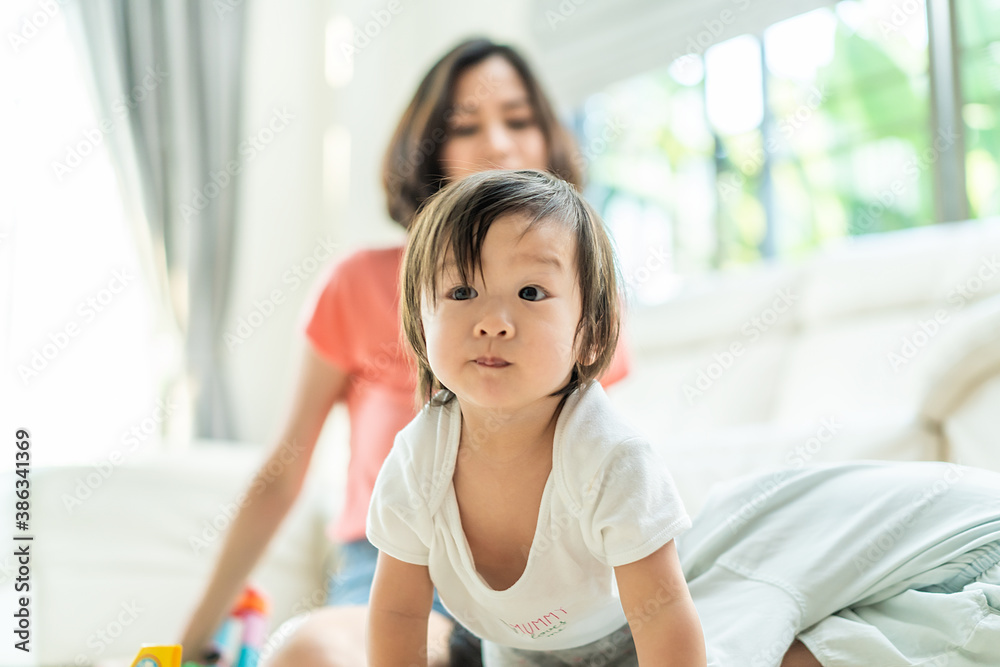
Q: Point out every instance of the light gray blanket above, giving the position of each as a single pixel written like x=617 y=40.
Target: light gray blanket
x=773 y=554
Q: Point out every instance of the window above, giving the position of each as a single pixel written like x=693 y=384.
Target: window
x=979 y=57
x=77 y=324
x=770 y=145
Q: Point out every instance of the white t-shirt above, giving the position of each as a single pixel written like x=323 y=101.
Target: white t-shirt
x=608 y=501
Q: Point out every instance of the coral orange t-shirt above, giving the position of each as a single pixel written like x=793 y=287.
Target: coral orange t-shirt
x=355 y=326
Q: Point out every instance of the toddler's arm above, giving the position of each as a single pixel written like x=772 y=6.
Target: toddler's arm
x=400 y=604
x=660 y=611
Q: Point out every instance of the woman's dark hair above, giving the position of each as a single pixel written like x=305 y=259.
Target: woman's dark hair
x=411 y=170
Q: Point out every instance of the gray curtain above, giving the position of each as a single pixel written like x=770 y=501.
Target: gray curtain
x=167 y=76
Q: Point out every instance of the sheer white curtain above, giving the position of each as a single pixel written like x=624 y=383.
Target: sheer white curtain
x=174 y=70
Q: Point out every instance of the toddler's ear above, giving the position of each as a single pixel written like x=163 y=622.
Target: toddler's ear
x=585 y=357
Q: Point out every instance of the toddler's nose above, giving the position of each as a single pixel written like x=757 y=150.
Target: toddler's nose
x=494 y=323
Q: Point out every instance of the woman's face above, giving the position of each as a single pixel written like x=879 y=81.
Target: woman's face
x=492 y=124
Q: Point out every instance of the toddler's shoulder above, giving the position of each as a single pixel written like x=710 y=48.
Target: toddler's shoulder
x=593 y=440
x=425 y=449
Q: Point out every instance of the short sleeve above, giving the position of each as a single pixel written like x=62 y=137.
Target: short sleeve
x=634 y=508
x=329 y=325
x=399 y=521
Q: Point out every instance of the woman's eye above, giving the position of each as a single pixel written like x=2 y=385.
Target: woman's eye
x=463 y=293
x=520 y=123
x=532 y=293
x=464 y=130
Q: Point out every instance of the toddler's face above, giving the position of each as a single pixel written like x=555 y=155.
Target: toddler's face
x=505 y=341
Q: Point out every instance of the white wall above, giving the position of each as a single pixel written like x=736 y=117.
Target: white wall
x=280 y=204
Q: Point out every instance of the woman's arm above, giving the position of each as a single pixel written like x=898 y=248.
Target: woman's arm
x=397 y=614
x=660 y=611
x=270 y=496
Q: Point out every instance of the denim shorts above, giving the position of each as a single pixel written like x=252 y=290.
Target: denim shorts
x=353 y=573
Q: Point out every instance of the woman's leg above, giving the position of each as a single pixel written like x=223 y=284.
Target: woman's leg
x=799 y=656
x=335 y=637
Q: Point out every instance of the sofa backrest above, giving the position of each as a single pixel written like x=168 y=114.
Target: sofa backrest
x=850 y=330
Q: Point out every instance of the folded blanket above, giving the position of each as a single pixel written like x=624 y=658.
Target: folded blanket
x=773 y=554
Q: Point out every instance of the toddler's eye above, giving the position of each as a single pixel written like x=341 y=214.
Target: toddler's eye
x=463 y=293
x=532 y=293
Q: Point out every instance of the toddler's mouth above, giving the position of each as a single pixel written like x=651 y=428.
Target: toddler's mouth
x=492 y=362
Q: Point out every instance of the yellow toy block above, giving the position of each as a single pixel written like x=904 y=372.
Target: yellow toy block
x=158 y=656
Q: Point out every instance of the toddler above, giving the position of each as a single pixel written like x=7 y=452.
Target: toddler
x=546 y=524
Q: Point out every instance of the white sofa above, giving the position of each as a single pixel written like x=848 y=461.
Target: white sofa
x=886 y=346
x=123 y=564
x=818 y=384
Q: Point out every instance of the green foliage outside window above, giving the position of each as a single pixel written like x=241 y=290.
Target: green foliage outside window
x=771 y=145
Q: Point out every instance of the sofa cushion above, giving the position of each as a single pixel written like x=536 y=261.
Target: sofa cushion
x=902 y=270
x=127 y=550
x=973 y=429
x=700 y=461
